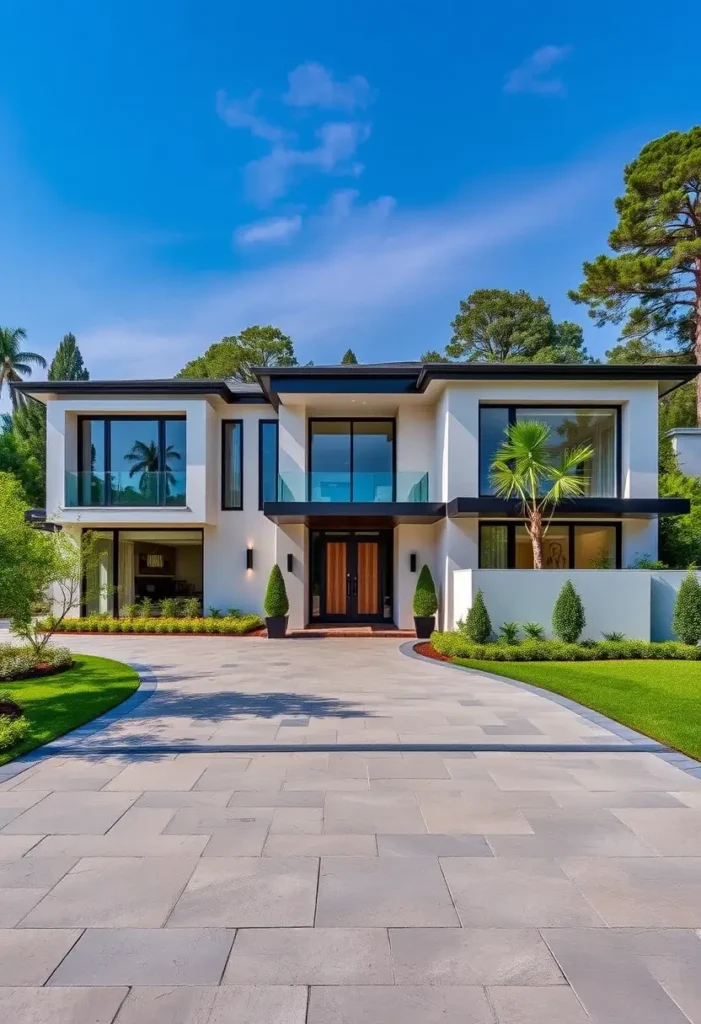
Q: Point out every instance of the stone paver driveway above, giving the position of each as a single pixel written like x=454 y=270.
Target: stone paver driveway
x=345 y=887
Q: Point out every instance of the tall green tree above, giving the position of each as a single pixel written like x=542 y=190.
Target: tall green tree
x=349 y=358
x=67 y=364
x=14 y=361
x=498 y=326
x=234 y=357
x=652 y=282
x=23 y=449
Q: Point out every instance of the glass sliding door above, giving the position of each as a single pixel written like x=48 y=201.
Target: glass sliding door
x=351 y=460
x=565 y=546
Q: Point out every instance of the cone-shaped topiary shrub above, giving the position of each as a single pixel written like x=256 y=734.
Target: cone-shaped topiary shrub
x=477 y=624
x=276 y=602
x=568 y=615
x=686 y=621
x=425 y=600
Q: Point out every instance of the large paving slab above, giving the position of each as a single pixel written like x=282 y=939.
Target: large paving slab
x=345 y=887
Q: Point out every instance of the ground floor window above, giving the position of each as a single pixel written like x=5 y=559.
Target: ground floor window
x=137 y=564
x=566 y=546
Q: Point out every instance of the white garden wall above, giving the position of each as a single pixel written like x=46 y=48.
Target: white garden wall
x=613 y=599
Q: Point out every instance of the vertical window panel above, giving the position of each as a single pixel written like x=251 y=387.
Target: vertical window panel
x=493 y=423
x=267 y=461
x=232 y=468
x=494 y=546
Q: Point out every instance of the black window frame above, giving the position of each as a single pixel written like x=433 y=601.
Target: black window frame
x=224 y=506
x=511 y=408
x=158 y=418
x=351 y=420
x=261 y=426
x=569 y=523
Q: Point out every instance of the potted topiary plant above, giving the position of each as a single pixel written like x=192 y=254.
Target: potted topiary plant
x=276 y=604
x=425 y=604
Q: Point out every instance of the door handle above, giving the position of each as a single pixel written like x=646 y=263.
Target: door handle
x=349 y=585
x=355 y=586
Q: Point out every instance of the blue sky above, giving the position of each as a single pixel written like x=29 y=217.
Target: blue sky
x=173 y=171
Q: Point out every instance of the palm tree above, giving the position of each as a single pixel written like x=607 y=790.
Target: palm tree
x=14 y=362
x=524 y=468
x=145 y=456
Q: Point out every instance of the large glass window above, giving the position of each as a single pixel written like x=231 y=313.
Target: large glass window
x=132 y=461
x=565 y=546
x=351 y=460
x=267 y=461
x=569 y=427
x=232 y=478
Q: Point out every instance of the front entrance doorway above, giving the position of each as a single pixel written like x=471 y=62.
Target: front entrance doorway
x=351 y=576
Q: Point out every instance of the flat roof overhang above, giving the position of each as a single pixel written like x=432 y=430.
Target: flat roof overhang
x=169 y=388
x=621 y=508
x=356 y=513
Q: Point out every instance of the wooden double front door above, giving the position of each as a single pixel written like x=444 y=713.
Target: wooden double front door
x=350 y=578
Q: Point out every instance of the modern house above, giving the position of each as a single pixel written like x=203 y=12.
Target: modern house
x=349 y=477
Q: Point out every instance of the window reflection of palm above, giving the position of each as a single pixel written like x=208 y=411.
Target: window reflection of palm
x=556 y=556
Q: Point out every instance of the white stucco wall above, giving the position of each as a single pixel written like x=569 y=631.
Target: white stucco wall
x=686 y=442
x=418 y=539
x=613 y=599
x=664 y=589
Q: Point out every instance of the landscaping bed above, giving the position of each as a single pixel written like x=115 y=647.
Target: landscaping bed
x=458 y=645
x=213 y=626
x=56 y=704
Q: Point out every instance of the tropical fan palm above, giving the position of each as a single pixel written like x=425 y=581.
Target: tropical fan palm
x=523 y=468
x=145 y=458
x=13 y=361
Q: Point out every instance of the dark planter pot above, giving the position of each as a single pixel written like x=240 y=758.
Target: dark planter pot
x=276 y=626
x=424 y=625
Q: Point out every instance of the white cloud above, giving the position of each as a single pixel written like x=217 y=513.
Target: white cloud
x=274 y=229
x=312 y=85
x=269 y=178
x=343 y=203
x=370 y=276
x=532 y=75
x=242 y=114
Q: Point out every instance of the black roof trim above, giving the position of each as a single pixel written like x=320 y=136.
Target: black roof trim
x=150 y=388
x=620 y=507
x=392 y=511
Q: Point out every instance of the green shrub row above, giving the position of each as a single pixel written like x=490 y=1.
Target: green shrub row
x=19 y=662
x=211 y=625
x=458 y=646
x=12 y=731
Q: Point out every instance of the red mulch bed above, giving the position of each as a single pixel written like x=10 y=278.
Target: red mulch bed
x=428 y=651
x=42 y=668
x=261 y=631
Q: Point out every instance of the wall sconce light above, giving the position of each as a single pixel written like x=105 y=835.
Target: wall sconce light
x=249 y=558
x=412 y=562
x=290 y=563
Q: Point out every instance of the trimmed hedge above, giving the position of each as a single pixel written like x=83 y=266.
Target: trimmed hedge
x=425 y=599
x=12 y=731
x=224 y=625
x=458 y=646
x=21 y=662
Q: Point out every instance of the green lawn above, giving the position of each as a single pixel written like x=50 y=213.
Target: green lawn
x=56 y=704
x=661 y=699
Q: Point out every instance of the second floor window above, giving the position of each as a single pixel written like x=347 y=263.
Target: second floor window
x=569 y=427
x=351 y=460
x=267 y=461
x=232 y=464
x=132 y=460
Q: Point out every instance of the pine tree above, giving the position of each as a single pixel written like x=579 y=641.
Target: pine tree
x=652 y=283
x=686 y=621
x=67 y=364
x=349 y=359
x=568 y=615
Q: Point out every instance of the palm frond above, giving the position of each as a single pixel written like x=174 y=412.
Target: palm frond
x=30 y=357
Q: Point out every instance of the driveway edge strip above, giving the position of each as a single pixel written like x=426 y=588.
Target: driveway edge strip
x=71 y=742
x=636 y=740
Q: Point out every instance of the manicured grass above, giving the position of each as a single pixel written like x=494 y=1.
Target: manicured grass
x=661 y=699
x=56 y=704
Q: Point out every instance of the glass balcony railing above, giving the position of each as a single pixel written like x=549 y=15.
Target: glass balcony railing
x=409 y=486
x=126 y=489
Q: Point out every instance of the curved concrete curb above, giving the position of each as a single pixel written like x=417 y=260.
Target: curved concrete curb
x=629 y=738
x=71 y=741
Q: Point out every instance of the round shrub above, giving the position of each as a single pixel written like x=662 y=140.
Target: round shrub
x=568 y=615
x=12 y=731
x=276 y=603
x=478 y=627
x=425 y=600
x=686 y=621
